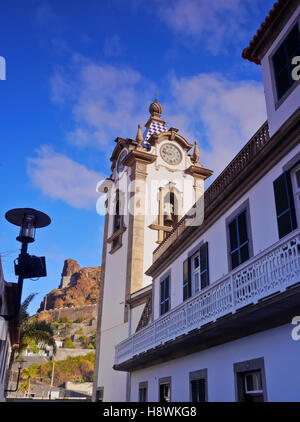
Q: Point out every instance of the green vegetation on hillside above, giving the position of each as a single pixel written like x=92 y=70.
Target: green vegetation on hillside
x=75 y=369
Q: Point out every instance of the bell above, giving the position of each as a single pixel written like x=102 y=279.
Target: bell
x=168 y=220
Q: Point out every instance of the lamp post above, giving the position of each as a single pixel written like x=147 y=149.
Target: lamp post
x=27 y=266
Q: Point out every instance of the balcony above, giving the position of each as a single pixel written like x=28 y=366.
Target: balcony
x=260 y=294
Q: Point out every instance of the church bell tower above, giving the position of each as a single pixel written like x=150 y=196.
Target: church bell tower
x=156 y=178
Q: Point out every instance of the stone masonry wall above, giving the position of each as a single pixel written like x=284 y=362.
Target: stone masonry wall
x=89 y=311
x=63 y=353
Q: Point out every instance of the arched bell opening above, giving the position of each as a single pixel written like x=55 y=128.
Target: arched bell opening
x=170 y=210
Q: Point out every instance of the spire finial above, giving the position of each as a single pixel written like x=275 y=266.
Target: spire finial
x=139 y=136
x=155 y=108
x=196 y=154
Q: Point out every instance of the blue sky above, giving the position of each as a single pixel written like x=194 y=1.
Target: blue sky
x=80 y=73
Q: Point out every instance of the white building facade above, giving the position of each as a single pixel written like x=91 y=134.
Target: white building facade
x=9 y=334
x=213 y=318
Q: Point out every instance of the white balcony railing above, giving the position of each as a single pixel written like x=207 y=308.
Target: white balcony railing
x=272 y=270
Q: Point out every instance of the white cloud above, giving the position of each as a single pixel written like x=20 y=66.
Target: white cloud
x=221 y=114
x=59 y=177
x=108 y=102
x=217 y=23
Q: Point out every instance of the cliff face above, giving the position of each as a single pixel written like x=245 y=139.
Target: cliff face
x=78 y=287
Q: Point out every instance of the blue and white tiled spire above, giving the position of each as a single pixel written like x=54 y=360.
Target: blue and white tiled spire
x=154 y=125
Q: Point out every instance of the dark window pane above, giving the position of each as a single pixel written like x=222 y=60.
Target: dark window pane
x=143 y=395
x=185 y=292
x=166 y=287
x=249 y=382
x=162 y=291
x=204 y=281
x=185 y=271
x=187 y=287
x=292 y=42
x=164 y=393
x=284 y=224
x=198 y=390
x=243 y=232
x=233 y=235
x=279 y=59
x=285 y=208
x=164 y=295
x=244 y=252
x=281 y=194
x=167 y=305
x=203 y=257
x=235 y=259
x=284 y=81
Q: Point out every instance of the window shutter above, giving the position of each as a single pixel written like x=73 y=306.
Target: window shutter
x=204 y=273
x=239 y=239
x=164 y=295
x=187 y=282
x=284 y=201
x=167 y=294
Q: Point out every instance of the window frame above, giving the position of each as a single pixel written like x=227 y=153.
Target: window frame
x=245 y=206
x=288 y=64
x=143 y=386
x=248 y=366
x=166 y=299
x=290 y=210
x=195 y=376
x=239 y=244
x=188 y=283
x=164 y=381
x=194 y=272
x=99 y=391
x=296 y=191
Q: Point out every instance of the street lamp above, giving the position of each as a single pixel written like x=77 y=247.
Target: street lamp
x=27 y=266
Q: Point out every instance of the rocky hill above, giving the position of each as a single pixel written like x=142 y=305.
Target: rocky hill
x=78 y=287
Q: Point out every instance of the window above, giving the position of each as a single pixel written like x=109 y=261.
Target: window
x=164 y=295
x=117 y=216
x=250 y=381
x=253 y=382
x=170 y=209
x=143 y=392
x=99 y=394
x=165 y=390
x=251 y=387
x=284 y=200
x=118 y=222
x=187 y=285
x=282 y=61
x=295 y=174
x=239 y=239
x=198 y=386
x=195 y=272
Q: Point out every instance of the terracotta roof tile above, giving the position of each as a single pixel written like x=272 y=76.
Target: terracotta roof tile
x=273 y=13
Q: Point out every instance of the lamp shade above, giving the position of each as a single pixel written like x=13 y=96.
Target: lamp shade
x=28 y=219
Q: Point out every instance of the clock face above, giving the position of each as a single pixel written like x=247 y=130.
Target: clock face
x=121 y=158
x=170 y=154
